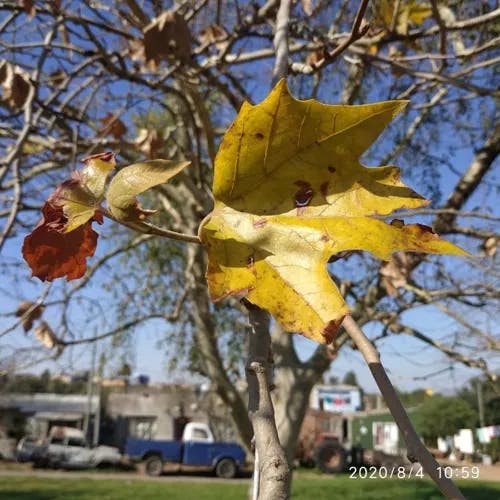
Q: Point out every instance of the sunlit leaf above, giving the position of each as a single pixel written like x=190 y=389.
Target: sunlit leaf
x=290 y=192
x=134 y=180
x=61 y=242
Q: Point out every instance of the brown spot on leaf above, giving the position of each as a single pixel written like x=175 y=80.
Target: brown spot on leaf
x=331 y=329
x=325 y=238
x=257 y=224
x=250 y=261
x=399 y=223
x=258 y=135
x=331 y=169
x=304 y=195
x=425 y=229
x=340 y=255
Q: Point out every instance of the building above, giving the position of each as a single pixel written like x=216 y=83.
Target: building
x=377 y=430
x=336 y=398
x=162 y=412
x=36 y=414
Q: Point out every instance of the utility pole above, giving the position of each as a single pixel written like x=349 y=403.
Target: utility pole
x=90 y=387
x=480 y=402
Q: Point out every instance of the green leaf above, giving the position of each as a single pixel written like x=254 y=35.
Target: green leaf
x=134 y=180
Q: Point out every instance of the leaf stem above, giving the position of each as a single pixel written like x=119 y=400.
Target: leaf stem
x=416 y=449
x=147 y=228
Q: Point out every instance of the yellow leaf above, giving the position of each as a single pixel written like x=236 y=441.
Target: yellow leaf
x=134 y=180
x=409 y=12
x=290 y=192
x=81 y=195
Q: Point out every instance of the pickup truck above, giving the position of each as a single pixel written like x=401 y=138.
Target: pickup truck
x=66 y=448
x=197 y=449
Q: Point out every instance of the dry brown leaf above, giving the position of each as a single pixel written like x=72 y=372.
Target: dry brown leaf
x=16 y=85
x=29 y=312
x=213 y=34
x=113 y=126
x=307 y=7
x=46 y=335
x=396 y=271
x=149 y=141
x=490 y=245
x=167 y=37
x=316 y=58
x=56 y=78
x=28 y=7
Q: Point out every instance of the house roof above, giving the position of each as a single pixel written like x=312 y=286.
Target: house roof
x=47 y=402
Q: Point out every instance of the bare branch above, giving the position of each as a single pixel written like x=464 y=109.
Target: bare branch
x=416 y=450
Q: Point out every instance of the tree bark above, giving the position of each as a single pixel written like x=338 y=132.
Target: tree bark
x=273 y=469
x=206 y=342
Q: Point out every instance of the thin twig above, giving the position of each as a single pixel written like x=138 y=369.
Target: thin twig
x=147 y=228
x=416 y=451
x=281 y=41
x=358 y=31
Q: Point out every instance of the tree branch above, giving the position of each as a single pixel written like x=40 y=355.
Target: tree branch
x=274 y=472
x=416 y=450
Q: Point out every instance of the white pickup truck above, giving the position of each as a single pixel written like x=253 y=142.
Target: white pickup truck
x=67 y=448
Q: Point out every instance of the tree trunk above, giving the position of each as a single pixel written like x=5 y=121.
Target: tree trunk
x=293 y=383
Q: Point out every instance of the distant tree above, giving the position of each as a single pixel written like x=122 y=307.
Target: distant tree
x=124 y=371
x=414 y=398
x=350 y=379
x=45 y=381
x=490 y=396
x=441 y=416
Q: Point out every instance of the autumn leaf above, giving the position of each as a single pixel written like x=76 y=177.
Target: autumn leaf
x=149 y=141
x=16 y=85
x=46 y=336
x=113 y=126
x=290 y=192
x=213 y=35
x=166 y=37
x=29 y=312
x=396 y=272
x=410 y=12
x=134 y=180
x=61 y=242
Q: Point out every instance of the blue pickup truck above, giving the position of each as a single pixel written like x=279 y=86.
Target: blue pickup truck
x=197 y=449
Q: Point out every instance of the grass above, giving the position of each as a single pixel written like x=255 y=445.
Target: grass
x=321 y=488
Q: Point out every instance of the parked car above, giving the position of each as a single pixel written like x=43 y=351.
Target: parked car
x=197 y=448
x=7 y=447
x=67 y=448
x=26 y=448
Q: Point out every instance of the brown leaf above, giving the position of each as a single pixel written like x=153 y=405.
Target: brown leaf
x=28 y=7
x=16 y=85
x=213 y=35
x=307 y=7
x=149 y=141
x=29 y=311
x=316 y=58
x=113 y=126
x=56 y=78
x=46 y=335
x=167 y=37
x=490 y=245
x=52 y=253
x=396 y=272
